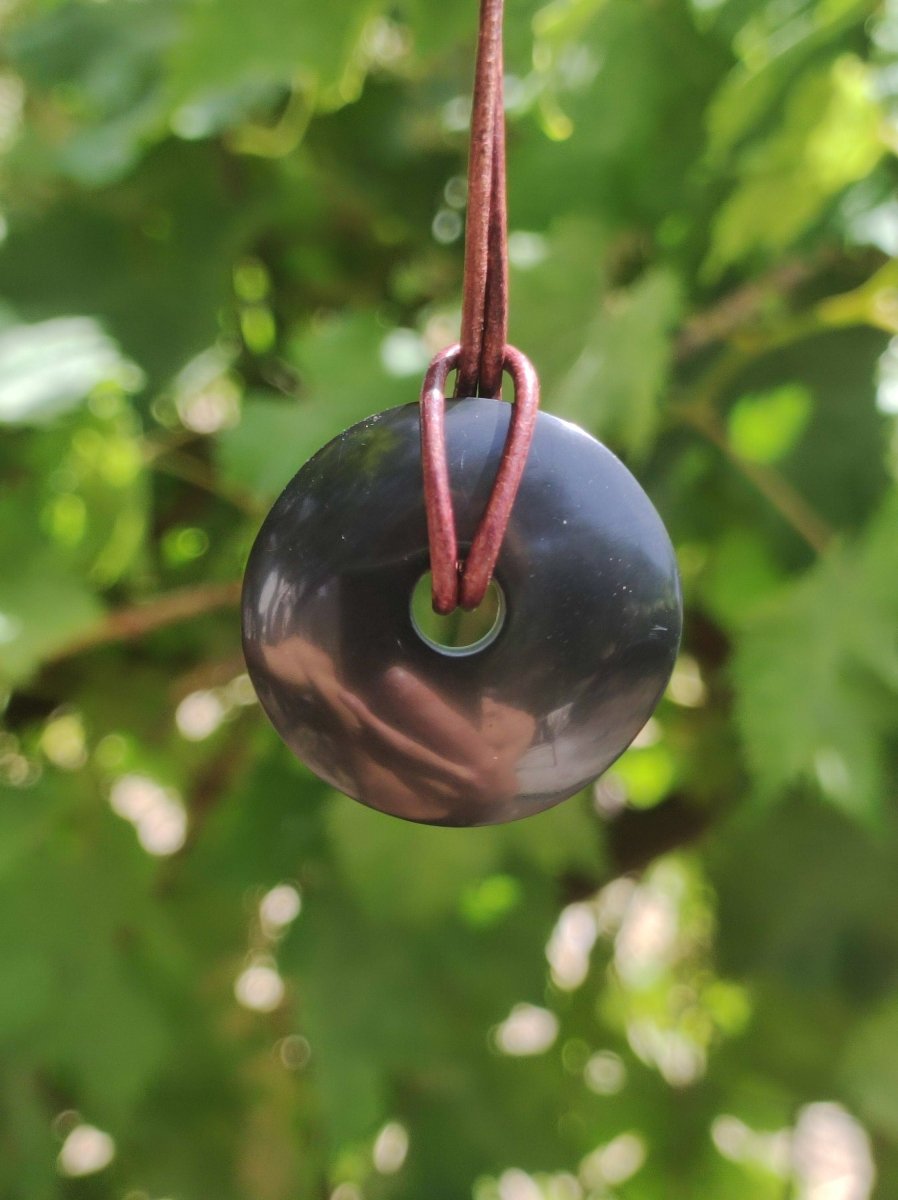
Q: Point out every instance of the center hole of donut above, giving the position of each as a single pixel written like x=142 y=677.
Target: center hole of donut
x=461 y=632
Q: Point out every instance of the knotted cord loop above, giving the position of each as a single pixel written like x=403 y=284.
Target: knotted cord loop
x=482 y=355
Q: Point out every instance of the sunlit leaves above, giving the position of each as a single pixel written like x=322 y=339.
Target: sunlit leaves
x=772 y=44
x=50 y=367
x=228 y=231
x=831 y=136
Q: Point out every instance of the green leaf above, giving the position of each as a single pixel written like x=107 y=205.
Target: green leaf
x=228 y=42
x=43 y=606
x=48 y=368
x=83 y=998
x=604 y=358
x=740 y=575
x=807 y=704
x=773 y=47
x=343 y=381
x=763 y=429
x=870 y=1069
x=380 y=859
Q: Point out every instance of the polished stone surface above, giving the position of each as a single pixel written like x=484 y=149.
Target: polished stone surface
x=589 y=638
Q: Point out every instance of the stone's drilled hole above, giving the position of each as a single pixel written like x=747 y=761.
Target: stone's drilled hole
x=460 y=632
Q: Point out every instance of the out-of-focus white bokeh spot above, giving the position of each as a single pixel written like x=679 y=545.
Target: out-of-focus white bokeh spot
x=680 y=1060
x=390 y=1148
x=605 y=1073
x=278 y=907
x=155 y=812
x=12 y=107
x=294 y=1052
x=65 y=1121
x=831 y=1155
x=877 y=226
x=612 y=902
x=63 y=741
x=686 y=687
x=206 y=398
x=563 y=1187
x=199 y=715
x=527 y=1030
x=240 y=691
x=515 y=1184
x=85 y=1151
x=613 y=1163
x=649 y=735
x=441 y=329
x=10 y=628
x=447 y=226
x=570 y=945
x=260 y=987
x=455 y=193
x=385 y=42
x=346 y=1191
x=403 y=352
x=214 y=408
x=738 y=1142
x=456 y=114
x=647 y=936
x=163 y=831
x=526 y=250
x=887 y=380
x=609 y=796
x=833 y=773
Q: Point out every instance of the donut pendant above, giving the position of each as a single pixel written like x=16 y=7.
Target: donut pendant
x=580 y=635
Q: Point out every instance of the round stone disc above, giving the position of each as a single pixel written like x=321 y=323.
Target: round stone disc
x=586 y=644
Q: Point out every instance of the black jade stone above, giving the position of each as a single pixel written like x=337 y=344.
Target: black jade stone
x=590 y=634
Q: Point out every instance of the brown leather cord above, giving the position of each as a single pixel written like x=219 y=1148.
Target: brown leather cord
x=467 y=587
x=482 y=354
x=484 y=317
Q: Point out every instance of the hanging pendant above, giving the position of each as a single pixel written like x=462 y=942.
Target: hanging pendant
x=583 y=640
x=521 y=516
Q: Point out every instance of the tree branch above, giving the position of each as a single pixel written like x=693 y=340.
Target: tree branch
x=128 y=624
x=739 y=309
x=775 y=488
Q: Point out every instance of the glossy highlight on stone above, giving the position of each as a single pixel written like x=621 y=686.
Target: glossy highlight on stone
x=589 y=635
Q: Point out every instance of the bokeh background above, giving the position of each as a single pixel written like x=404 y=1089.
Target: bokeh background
x=229 y=229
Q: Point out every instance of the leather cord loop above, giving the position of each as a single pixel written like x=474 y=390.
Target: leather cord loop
x=482 y=355
x=455 y=583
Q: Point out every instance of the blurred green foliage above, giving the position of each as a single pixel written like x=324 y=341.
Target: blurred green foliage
x=229 y=229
